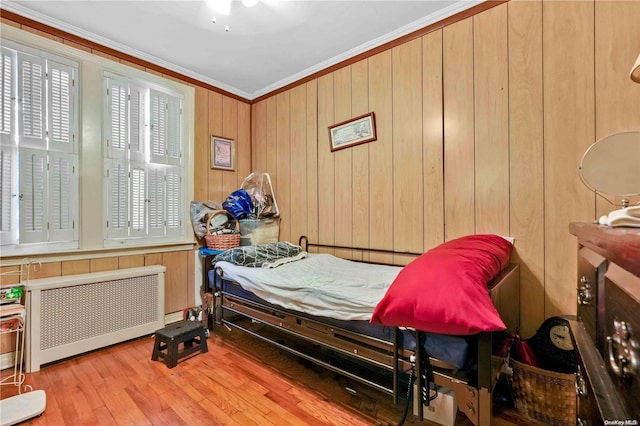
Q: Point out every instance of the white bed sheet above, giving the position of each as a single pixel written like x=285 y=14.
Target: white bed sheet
x=321 y=284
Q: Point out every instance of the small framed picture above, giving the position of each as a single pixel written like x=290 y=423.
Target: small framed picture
x=353 y=132
x=223 y=153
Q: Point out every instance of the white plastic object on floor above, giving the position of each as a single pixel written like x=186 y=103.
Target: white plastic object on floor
x=441 y=410
x=22 y=407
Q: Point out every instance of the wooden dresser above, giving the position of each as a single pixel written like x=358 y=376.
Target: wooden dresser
x=607 y=330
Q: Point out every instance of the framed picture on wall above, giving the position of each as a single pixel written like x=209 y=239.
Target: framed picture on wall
x=353 y=132
x=223 y=153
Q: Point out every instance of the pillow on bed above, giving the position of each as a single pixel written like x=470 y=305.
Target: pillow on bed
x=269 y=255
x=445 y=289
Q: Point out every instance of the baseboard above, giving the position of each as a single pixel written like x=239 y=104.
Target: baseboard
x=173 y=317
x=7 y=359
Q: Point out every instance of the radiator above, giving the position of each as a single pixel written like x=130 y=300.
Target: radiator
x=73 y=314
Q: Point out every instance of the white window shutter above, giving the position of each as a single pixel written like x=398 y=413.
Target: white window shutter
x=137 y=114
x=8 y=194
x=31 y=94
x=154 y=130
x=157 y=200
x=174 y=131
x=174 y=201
x=61 y=107
x=8 y=96
x=116 y=119
x=63 y=189
x=117 y=213
x=158 y=120
x=33 y=219
x=138 y=201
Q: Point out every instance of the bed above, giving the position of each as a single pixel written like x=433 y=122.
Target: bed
x=342 y=337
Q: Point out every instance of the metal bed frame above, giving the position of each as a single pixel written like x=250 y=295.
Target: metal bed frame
x=267 y=321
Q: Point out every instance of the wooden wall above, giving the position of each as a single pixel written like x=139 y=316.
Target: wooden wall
x=222 y=116
x=481 y=126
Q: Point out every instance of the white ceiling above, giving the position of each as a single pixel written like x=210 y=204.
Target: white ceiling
x=268 y=45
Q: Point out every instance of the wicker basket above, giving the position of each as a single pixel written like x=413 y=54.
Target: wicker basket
x=546 y=396
x=222 y=241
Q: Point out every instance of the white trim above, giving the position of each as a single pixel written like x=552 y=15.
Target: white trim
x=73 y=280
x=93 y=68
x=456 y=7
x=88 y=254
x=425 y=21
x=173 y=317
x=38 y=52
x=61 y=51
x=47 y=20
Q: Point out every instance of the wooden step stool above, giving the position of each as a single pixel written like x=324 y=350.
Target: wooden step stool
x=191 y=333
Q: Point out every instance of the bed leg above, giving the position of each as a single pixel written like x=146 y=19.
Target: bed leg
x=207 y=308
x=396 y=384
x=419 y=377
x=485 y=379
x=484 y=407
x=217 y=297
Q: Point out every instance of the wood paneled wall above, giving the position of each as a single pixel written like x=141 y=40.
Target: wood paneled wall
x=481 y=126
x=220 y=115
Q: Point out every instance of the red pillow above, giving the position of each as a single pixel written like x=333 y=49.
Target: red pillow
x=445 y=289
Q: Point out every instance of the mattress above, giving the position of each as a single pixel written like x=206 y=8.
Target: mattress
x=320 y=285
x=341 y=302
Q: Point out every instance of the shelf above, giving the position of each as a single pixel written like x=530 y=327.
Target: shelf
x=11 y=318
x=11 y=309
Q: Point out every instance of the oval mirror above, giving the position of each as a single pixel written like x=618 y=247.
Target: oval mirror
x=612 y=165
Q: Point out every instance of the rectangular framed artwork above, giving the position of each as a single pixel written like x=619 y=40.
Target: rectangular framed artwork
x=353 y=132
x=223 y=153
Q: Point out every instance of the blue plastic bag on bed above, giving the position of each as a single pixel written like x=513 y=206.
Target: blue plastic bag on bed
x=239 y=204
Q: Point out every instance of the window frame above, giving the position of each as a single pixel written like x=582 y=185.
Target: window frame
x=45 y=147
x=91 y=237
x=162 y=137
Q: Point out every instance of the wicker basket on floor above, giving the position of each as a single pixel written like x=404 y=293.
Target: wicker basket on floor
x=222 y=241
x=546 y=396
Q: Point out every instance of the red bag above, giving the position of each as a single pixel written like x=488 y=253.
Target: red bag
x=521 y=351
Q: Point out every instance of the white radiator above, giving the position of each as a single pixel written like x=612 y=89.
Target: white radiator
x=72 y=314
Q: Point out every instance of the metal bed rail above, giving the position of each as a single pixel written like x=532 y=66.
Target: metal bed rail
x=473 y=400
x=384 y=359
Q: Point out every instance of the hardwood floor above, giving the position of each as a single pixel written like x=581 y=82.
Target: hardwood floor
x=240 y=381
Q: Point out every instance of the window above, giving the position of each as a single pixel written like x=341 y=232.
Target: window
x=143 y=159
x=93 y=153
x=38 y=148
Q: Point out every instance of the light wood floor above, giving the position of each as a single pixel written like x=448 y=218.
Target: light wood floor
x=240 y=381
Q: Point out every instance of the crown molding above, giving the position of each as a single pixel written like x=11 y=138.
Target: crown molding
x=425 y=21
x=16 y=8
x=457 y=7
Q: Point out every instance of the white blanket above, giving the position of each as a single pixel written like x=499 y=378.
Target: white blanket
x=321 y=284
